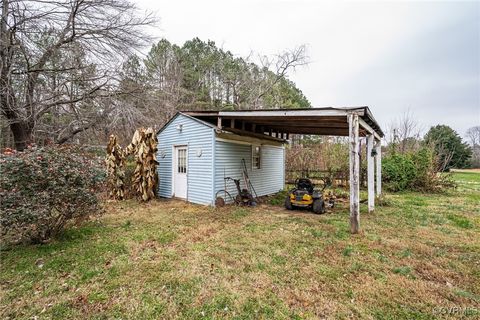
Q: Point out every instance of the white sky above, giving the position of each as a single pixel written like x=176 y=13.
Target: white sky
x=392 y=56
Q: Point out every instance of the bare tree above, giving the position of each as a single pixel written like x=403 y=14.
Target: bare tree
x=273 y=69
x=405 y=132
x=473 y=135
x=58 y=58
x=283 y=62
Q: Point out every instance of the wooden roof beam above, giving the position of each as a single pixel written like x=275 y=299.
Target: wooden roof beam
x=369 y=129
x=252 y=134
x=289 y=113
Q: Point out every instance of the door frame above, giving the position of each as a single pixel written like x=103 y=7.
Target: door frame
x=174 y=166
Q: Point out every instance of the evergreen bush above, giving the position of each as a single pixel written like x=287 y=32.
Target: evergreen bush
x=44 y=189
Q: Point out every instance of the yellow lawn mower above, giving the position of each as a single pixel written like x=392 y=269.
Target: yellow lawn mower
x=304 y=195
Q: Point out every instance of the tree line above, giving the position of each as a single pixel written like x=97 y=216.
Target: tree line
x=71 y=70
x=198 y=76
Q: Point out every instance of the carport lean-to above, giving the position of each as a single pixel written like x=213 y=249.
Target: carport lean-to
x=278 y=124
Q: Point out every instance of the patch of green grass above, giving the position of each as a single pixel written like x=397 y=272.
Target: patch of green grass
x=97 y=296
x=152 y=306
x=267 y=307
x=329 y=272
x=127 y=224
x=460 y=221
x=279 y=260
x=403 y=270
x=251 y=227
x=417 y=201
x=63 y=310
x=240 y=212
x=347 y=252
x=468 y=295
x=357 y=266
x=316 y=233
x=401 y=312
x=166 y=237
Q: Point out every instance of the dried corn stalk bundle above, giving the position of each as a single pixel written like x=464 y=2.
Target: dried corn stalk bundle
x=115 y=171
x=144 y=148
x=132 y=147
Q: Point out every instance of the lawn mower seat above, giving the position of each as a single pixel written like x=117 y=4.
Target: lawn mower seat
x=305 y=184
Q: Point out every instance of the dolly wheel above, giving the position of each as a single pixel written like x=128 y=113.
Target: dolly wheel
x=288 y=203
x=318 y=206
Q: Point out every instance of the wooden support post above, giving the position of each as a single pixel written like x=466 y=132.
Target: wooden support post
x=243 y=125
x=219 y=123
x=354 y=173
x=254 y=127
x=270 y=133
x=378 y=160
x=288 y=135
x=370 y=173
x=232 y=123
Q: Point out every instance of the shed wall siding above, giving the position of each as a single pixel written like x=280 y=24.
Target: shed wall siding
x=266 y=180
x=196 y=136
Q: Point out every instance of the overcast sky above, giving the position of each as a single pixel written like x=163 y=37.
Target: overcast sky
x=391 y=56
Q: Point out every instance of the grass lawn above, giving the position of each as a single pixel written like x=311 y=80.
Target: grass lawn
x=168 y=259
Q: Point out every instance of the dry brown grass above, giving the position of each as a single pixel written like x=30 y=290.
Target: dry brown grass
x=169 y=259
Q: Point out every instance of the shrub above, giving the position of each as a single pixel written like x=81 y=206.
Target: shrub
x=417 y=170
x=42 y=190
x=398 y=171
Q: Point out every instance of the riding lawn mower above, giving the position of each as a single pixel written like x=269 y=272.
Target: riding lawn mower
x=304 y=195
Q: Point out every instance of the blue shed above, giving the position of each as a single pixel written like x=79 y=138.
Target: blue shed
x=196 y=155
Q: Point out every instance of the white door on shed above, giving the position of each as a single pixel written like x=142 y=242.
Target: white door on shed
x=180 y=172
